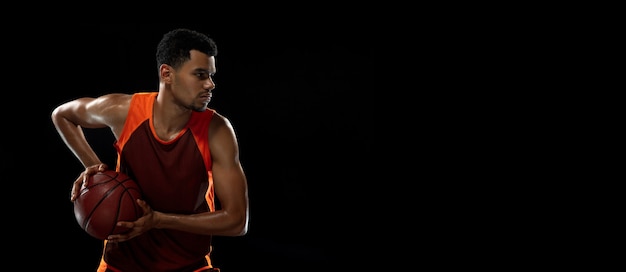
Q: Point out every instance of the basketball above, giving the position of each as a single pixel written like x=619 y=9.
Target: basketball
x=106 y=198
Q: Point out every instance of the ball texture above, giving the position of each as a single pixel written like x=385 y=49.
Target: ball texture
x=106 y=198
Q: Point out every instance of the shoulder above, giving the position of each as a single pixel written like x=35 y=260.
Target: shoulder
x=222 y=137
x=110 y=109
x=114 y=99
x=219 y=120
x=113 y=103
x=220 y=124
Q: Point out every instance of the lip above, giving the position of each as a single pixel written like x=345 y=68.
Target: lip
x=206 y=97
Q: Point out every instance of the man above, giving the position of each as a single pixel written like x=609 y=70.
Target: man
x=183 y=155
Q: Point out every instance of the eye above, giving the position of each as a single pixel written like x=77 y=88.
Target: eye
x=203 y=75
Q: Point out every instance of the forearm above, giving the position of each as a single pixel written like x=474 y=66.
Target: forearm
x=209 y=223
x=75 y=140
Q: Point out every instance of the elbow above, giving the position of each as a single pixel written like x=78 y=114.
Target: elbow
x=241 y=228
x=54 y=115
x=240 y=231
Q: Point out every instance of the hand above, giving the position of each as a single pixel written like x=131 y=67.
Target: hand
x=83 y=177
x=138 y=227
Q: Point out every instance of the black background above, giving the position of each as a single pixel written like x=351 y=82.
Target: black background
x=304 y=105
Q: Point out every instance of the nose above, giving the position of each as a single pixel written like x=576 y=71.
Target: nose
x=209 y=84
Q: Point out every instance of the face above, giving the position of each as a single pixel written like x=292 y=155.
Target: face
x=193 y=84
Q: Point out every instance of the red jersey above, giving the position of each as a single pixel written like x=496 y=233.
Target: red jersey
x=174 y=177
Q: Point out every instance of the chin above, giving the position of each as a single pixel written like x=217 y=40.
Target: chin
x=201 y=108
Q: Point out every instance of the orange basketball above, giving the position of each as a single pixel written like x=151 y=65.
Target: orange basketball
x=106 y=198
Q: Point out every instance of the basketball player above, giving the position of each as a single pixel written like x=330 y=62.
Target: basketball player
x=183 y=155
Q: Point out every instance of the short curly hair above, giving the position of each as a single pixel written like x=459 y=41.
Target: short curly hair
x=175 y=46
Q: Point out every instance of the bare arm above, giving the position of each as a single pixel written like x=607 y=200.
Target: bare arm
x=230 y=187
x=71 y=117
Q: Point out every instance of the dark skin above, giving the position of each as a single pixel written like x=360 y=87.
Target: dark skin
x=181 y=92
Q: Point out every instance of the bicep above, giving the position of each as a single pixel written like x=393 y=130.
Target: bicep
x=229 y=178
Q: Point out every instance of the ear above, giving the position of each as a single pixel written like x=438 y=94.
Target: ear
x=165 y=73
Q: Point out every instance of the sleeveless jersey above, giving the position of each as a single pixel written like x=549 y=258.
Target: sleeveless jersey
x=174 y=177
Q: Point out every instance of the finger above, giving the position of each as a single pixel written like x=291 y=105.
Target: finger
x=74 y=194
x=144 y=206
x=125 y=224
x=75 y=189
x=114 y=238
